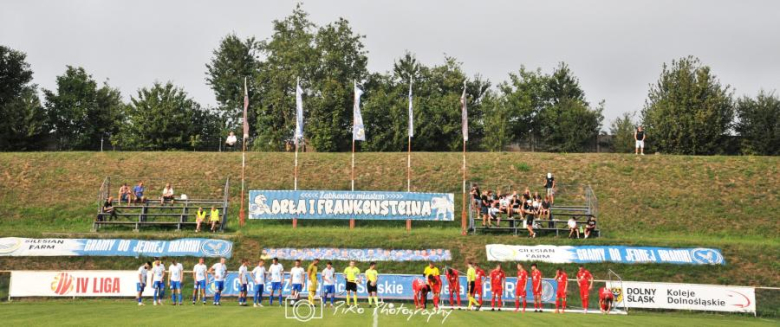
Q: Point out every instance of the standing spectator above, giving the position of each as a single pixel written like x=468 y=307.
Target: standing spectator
x=200 y=216
x=639 y=137
x=214 y=219
x=138 y=193
x=573 y=227
x=475 y=194
x=528 y=214
x=125 y=193
x=108 y=208
x=549 y=185
x=484 y=204
x=230 y=142
x=590 y=226
x=167 y=194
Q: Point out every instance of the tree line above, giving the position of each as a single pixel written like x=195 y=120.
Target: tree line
x=687 y=111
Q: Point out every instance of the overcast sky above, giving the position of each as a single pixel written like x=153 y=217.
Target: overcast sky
x=616 y=48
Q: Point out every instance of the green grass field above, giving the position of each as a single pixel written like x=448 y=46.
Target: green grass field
x=126 y=313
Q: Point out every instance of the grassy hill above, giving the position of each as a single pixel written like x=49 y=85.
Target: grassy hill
x=726 y=202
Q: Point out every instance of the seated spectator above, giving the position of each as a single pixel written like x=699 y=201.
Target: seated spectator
x=573 y=227
x=590 y=226
x=138 y=193
x=125 y=194
x=504 y=204
x=167 y=194
x=200 y=216
x=230 y=142
x=515 y=205
x=544 y=212
x=214 y=219
x=494 y=213
x=108 y=208
x=527 y=193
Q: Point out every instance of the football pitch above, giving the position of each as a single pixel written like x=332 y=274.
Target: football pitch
x=127 y=313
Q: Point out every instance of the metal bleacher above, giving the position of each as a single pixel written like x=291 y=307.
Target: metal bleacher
x=578 y=201
x=179 y=214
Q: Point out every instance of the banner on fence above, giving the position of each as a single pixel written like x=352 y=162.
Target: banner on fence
x=85 y=283
x=593 y=254
x=32 y=247
x=684 y=296
x=364 y=255
x=365 y=205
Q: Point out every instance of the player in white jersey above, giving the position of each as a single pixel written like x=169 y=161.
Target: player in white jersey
x=329 y=283
x=158 y=277
x=175 y=279
x=219 y=270
x=243 y=280
x=296 y=279
x=201 y=277
x=277 y=273
x=141 y=284
x=258 y=276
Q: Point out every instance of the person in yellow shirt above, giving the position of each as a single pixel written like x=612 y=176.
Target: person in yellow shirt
x=200 y=216
x=432 y=271
x=372 y=277
x=352 y=277
x=312 y=273
x=214 y=219
x=471 y=279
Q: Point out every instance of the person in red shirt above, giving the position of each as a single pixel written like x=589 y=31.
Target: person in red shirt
x=563 y=285
x=536 y=287
x=419 y=287
x=453 y=284
x=434 y=285
x=585 y=282
x=606 y=299
x=478 y=284
x=497 y=279
x=522 y=286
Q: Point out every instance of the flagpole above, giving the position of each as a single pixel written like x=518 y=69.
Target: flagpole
x=464 y=204
x=352 y=178
x=409 y=157
x=295 y=171
x=241 y=213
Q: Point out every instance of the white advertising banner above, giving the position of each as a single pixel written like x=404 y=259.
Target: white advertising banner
x=84 y=283
x=684 y=296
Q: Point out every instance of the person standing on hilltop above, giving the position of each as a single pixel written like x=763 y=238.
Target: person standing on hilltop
x=639 y=137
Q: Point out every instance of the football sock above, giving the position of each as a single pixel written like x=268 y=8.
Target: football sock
x=355 y=298
x=376 y=300
x=181 y=297
x=347 y=299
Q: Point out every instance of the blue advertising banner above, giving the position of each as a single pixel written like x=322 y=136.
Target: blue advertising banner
x=364 y=255
x=195 y=247
x=591 y=254
x=394 y=287
x=361 y=205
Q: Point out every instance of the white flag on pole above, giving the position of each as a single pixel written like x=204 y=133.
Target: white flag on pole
x=298 y=111
x=464 y=115
x=411 y=111
x=358 y=130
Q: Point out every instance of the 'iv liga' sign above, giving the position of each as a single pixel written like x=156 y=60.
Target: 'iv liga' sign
x=366 y=205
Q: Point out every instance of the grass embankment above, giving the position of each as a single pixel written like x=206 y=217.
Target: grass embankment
x=729 y=203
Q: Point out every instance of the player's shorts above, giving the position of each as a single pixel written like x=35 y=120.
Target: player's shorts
x=243 y=288
x=175 y=285
x=537 y=290
x=140 y=287
x=312 y=286
x=496 y=289
x=259 y=288
x=529 y=221
x=436 y=288
x=584 y=292
x=640 y=144
x=521 y=292
x=276 y=286
x=472 y=288
x=219 y=285
x=329 y=289
x=200 y=284
x=478 y=288
x=158 y=285
x=351 y=286
x=297 y=287
x=560 y=294
x=370 y=288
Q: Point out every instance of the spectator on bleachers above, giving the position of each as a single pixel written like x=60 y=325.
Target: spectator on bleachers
x=504 y=204
x=515 y=205
x=494 y=213
x=527 y=193
x=544 y=212
x=529 y=214
x=200 y=216
x=138 y=193
x=549 y=185
x=484 y=204
x=214 y=219
x=108 y=208
x=125 y=194
x=573 y=227
x=167 y=194
x=230 y=142
x=590 y=226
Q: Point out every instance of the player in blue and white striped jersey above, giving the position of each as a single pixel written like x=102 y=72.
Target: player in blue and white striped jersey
x=141 y=284
x=219 y=270
x=258 y=274
x=158 y=277
x=175 y=279
x=243 y=280
x=201 y=277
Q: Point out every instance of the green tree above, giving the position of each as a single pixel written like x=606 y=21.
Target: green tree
x=688 y=111
x=526 y=98
x=23 y=123
x=622 y=130
x=232 y=62
x=759 y=124
x=80 y=113
x=497 y=123
x=163 y=117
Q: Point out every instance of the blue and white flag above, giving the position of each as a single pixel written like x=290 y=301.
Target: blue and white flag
x=298 y=112
x=358 y=130
x=464 y=116
x=411 y=111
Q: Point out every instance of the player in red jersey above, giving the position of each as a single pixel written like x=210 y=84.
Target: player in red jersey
x=478 y=284
x=585 y=282
x=563 y=285
x=453 y=284
x=434 y=285
x=419 y=287
x=522 y=286
x=497 y=280
x=606 y=299
x=536 y=287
